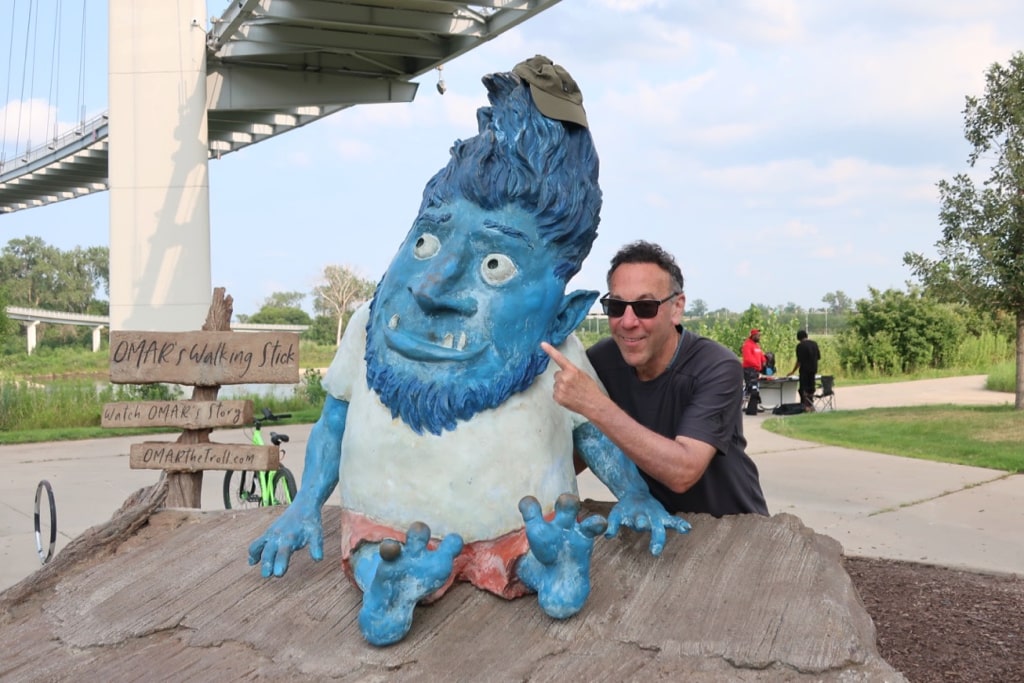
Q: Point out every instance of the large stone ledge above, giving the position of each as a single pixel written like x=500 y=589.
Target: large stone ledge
x=737 y=599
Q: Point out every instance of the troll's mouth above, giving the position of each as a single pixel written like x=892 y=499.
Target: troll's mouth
x=453 y=344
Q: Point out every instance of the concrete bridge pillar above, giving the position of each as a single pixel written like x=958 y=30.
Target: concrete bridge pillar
x=97 y=338
x=159 y=187
x=30 y=335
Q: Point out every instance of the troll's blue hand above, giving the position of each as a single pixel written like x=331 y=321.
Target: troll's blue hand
x=642 y=512
x=297 y=527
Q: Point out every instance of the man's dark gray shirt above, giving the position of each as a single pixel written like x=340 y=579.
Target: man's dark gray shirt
x=698 y=396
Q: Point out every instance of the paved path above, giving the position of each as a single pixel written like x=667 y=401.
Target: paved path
x=875 y=505
x=887 y=506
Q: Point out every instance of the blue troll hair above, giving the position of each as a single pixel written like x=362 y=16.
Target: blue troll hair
x=545 y=166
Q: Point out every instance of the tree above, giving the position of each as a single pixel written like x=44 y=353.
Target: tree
x=280 y=308
x=696 y=308
x=837 y=302
x=5 y=323
x=38 y=275
x=897 y=332
x=338 y=295
x=981 y=253
x=284 y=300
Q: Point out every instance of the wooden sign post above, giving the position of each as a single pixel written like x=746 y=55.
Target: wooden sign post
x=205 y=359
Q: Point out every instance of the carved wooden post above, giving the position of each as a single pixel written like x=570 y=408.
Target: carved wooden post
x=185 y=489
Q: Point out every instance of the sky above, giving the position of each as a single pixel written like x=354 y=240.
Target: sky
x=781 y=149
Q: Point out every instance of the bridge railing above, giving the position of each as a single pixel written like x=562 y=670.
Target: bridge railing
x=84 y=130
x=33 y=317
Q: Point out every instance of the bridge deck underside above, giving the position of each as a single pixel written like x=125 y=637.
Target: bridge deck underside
x=274 y=65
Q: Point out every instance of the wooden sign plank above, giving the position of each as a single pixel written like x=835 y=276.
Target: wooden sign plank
x=192 y=457
x=184 y=414
x=204 y=358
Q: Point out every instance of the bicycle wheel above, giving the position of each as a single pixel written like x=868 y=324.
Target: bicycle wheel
x=284 y=486
x=45 y=526
x=242 y=490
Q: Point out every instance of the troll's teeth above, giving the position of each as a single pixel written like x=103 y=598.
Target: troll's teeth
x=393 y=323
x=462 y=341
x=448 y=341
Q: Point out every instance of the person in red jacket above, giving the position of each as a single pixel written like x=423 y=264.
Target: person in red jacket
x=753 y=361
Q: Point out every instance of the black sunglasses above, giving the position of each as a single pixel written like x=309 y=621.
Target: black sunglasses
x=644 y=308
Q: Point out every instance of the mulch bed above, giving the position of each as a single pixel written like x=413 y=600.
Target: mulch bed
x=942 y=625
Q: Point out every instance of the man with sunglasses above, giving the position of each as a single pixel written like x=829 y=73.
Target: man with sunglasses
x=673 y=401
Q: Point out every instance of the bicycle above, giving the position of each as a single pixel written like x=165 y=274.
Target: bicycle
x=247 y=489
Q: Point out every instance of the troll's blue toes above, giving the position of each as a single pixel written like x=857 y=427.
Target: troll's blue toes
x=405 y=574
x=558 y=564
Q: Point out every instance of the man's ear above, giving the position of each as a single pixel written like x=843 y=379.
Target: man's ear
x=678 y=309
x=571 y=313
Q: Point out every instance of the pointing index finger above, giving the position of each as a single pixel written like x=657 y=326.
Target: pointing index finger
x=556 y=356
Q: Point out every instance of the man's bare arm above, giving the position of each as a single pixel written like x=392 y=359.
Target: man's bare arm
x=678 y=463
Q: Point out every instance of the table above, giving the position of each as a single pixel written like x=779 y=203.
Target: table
x=778 y=390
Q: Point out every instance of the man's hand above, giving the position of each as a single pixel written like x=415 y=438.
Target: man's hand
x=574 y=389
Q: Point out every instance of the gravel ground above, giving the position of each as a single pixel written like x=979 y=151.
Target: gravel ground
x=937 y=624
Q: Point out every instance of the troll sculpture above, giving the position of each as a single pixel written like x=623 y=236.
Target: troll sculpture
x=454 y=461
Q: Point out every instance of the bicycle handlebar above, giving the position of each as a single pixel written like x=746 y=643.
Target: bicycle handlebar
x=268 y=416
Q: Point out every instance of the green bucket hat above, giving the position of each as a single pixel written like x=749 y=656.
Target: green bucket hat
x=554 y=91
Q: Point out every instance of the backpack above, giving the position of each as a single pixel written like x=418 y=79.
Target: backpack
x=789 y=409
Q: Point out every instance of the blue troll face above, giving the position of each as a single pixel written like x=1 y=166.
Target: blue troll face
x=456 y=322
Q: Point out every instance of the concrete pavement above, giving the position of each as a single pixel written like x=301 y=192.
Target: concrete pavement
x=874 y=505
x=900 y=508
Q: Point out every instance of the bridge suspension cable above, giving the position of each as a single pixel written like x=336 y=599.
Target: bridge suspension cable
x=21 y=119
x=7 y=94
x=24 y=71
x=81 y=74
x=54 y=91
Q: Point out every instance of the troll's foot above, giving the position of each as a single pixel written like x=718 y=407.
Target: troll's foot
x=558 y=564
x=395 y=577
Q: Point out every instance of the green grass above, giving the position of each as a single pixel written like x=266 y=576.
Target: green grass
x=979 y=436
x=69 y=361
x=929 y=373
x=71 y=409
x=301 y=417
x=1002 y=377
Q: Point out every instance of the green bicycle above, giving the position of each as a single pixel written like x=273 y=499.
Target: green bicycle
x=243 y=489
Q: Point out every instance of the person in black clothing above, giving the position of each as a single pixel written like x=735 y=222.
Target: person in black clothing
x=807 y=357
x=673 y=401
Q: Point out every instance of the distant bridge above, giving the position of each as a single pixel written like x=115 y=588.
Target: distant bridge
x=33 y=317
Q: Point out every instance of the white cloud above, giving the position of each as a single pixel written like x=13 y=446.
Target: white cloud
x=797 y=228
x=630 y=5
x=353 y=150
x=30 y=123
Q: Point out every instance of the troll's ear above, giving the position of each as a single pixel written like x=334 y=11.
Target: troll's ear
x=571 y=313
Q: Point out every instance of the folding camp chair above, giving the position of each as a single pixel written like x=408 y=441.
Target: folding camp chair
x=826 y=399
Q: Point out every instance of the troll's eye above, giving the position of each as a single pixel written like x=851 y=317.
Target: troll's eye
x=426 y=246
x=497 y=269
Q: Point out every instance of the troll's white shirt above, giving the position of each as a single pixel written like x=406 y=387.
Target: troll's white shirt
x=469 y=480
